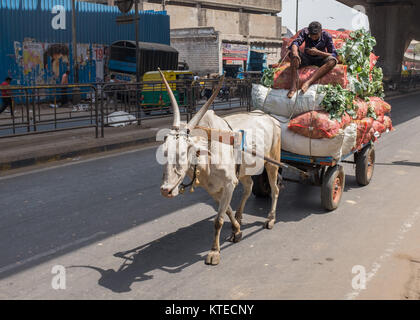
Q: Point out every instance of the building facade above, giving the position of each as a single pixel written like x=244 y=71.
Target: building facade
x=39 y=51
x=216 y=36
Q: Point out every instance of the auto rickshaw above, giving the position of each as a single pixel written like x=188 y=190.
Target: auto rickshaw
x=154 y=95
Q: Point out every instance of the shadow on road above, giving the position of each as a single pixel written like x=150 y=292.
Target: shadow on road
x=179 y=250
x=172 y=254
x=404 y=109
x=400 y=163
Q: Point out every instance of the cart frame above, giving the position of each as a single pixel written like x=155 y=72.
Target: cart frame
x=324 y=172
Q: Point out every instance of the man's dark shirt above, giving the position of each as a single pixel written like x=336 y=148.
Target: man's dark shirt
x=324 y=43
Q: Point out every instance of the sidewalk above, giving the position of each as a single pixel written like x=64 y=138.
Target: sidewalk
x=18 y=152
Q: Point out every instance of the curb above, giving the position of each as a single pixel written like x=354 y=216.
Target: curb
x=402 y=95
x=16 y=164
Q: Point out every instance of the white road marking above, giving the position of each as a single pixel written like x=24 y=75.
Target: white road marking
x=21 y=263
x=407 y=225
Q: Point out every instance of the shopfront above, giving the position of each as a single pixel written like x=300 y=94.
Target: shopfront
x=235 y=58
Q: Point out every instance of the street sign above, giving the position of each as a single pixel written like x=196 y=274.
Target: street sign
x=124 y=5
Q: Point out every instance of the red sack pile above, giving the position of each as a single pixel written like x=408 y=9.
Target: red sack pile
x=362 y=108
x=380 y=106
x=318 y=125
x=373 y=61
x=378 y=126
x=388 y=123
x=283 y=76
x=369 y=129
x=365 y=131
x=341 y=35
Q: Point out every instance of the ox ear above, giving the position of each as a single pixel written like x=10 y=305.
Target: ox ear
x=177 y=115
x=200 y=114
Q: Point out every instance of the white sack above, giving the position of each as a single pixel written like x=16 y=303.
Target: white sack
x=276 y=102
x=120 y=116
x=336 y=147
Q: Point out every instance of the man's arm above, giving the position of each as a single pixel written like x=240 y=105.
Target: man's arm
x=298 y=41
x=316 y=52
x=331 y=47
x=331 y=51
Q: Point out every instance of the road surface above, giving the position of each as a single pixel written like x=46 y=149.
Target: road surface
x=103 y=219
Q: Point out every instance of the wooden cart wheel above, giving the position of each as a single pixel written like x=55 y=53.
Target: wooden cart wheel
x=365 y=165
x=333 y=187
x=261 y=187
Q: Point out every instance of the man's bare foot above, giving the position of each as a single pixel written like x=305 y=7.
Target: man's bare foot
x=291 y=93
x=305 y=87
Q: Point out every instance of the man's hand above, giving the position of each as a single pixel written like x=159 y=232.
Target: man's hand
x=313 y=52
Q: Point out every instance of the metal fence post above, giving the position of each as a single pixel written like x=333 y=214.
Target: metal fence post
x=102 y=113
x=138 y=106
x=190 y=99
x=96 y=113
x=27 y=111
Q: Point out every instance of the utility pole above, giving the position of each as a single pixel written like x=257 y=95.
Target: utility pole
x=297 y=16
x=137 y=40
x=74 y=41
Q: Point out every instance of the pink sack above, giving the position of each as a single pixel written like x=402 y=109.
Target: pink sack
x=283 y=76
x=315 y=125
x=380 y=106
x=361 y=108
x=388 y=123
x=378 y=127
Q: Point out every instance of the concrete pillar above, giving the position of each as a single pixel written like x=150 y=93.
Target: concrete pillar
x=201 y=16
x=243 y=23
x=390 y=25
x=279 y=28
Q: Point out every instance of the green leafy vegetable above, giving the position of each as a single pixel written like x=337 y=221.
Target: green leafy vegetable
x=267 y=79
x=355 y=53
x=337 y=101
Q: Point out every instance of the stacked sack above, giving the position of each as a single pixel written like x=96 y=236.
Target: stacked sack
x=341 y=113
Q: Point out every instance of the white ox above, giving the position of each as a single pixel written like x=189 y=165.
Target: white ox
x=186 y=145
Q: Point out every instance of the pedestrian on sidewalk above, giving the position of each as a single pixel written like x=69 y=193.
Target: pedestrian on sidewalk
x=111 y=91
x=6 y=96
x=64 y=82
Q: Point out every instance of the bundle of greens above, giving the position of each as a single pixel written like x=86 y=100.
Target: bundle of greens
x=337 y=101
x=364 y=82
x=355 y=53
x=267 y=79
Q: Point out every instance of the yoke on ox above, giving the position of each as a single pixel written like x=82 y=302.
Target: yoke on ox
x=197 y=149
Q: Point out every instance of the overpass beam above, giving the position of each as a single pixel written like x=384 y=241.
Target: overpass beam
x=390 y=25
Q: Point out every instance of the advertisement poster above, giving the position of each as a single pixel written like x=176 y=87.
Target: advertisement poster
x=32 y=57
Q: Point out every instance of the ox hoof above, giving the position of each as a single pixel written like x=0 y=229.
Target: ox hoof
x=235 y=238
x=213 y=258
x=269 y=224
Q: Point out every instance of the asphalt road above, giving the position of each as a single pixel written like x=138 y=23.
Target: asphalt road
x=104 y=220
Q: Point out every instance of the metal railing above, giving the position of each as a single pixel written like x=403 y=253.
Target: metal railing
x=50 y=108
x=405 y=83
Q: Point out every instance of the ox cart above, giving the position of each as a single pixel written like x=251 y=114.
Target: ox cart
x=324 y=172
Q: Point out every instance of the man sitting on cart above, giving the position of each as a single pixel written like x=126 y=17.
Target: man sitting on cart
x=319 y=51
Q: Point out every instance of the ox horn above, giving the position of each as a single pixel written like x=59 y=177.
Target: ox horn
x=200 y=114
x=177 y=116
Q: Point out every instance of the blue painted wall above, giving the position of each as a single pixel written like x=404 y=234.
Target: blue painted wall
x=21 y=20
